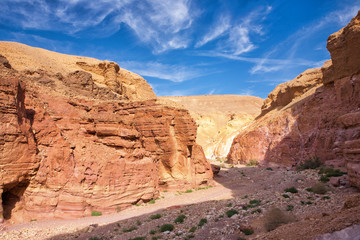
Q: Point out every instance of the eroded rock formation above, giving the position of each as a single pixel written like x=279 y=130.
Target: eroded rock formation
x=70 y=144
x=316 y=114
x=219 y=119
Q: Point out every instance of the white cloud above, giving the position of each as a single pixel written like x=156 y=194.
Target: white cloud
x=158 y=23
x=211 y=92
x=174 y=73
x=236 y=33
x=291 y=45
x=220 y=28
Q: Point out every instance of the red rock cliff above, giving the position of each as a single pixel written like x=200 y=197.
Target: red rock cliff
x=316 y=114
x=73 y=146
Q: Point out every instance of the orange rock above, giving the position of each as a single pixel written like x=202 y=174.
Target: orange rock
x=316 y=114
x=67 y=151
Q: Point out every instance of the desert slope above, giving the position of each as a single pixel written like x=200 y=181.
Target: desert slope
x=219 y=119
x=79 y=135
x=316 y=114
x=108 y=74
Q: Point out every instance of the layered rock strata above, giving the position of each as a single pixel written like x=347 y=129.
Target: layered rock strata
x=219 y=119
x=70 y=145
x=316 y=114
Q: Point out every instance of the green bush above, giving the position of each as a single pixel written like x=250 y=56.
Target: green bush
x=96 y=213
x=324 y=179
x=311 y=163
x=286 y=196
x=152 y=232
x=274 y=218
x=180 y=219
x=291 y=190
x=156 y=216
x=152 y=201
x=289 y=207
x=94 y=238
x=166 y=227
x=231 y=213
x=125 y=230
x=319 y=188
x=331 y=172
x=269 y=169
x=188 y=191
x=252 y=163
x=202 y=222
x=247 y=231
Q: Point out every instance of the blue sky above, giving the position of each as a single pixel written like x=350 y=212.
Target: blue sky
x=184 y=47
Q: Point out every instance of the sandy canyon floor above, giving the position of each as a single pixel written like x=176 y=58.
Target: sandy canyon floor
x=246 y=192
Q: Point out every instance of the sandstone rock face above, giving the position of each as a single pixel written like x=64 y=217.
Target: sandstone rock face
x=107 y=74
x=219 y=119
x=316 y=114
x=70 y=145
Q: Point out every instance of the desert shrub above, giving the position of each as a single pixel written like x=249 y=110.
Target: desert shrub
x=138 y=222
x=291 y=190
x=319 y=188
x=331 y=172
x=188 y=191
x=247 y=231
x=231 y=213
x=180 y=219
x=274 y=218
x=152 y=201
x=155 y=238
x=96 y=213
x=289 y=207
x=310 y=163
x=252 y=163
x=202 y=222
x=324 y=179
x=152 y=232
x=286 y=196
x=252 y=204
x=156 y=216
x=94 y=238
x=269 y=169
x=130 y=229
x=192 y=229
x=166 y=227
x=326 y=197
x=229 y=205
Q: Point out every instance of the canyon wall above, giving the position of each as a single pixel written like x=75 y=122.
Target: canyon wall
x=219 y=119
x=71 y=144
x=316 y=114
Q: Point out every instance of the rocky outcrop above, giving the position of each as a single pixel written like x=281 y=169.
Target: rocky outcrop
x=219 y=119
x=106 y=74
x=316 y=114
x=73 y=146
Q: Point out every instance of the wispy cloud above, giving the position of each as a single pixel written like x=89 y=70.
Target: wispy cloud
x=161 y=23
x=220 y=28
x=174 y=73
x=211 y=92
x=291 y=45
x=237 y=33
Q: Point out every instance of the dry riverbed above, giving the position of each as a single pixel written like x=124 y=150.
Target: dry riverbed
x=232 y=208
